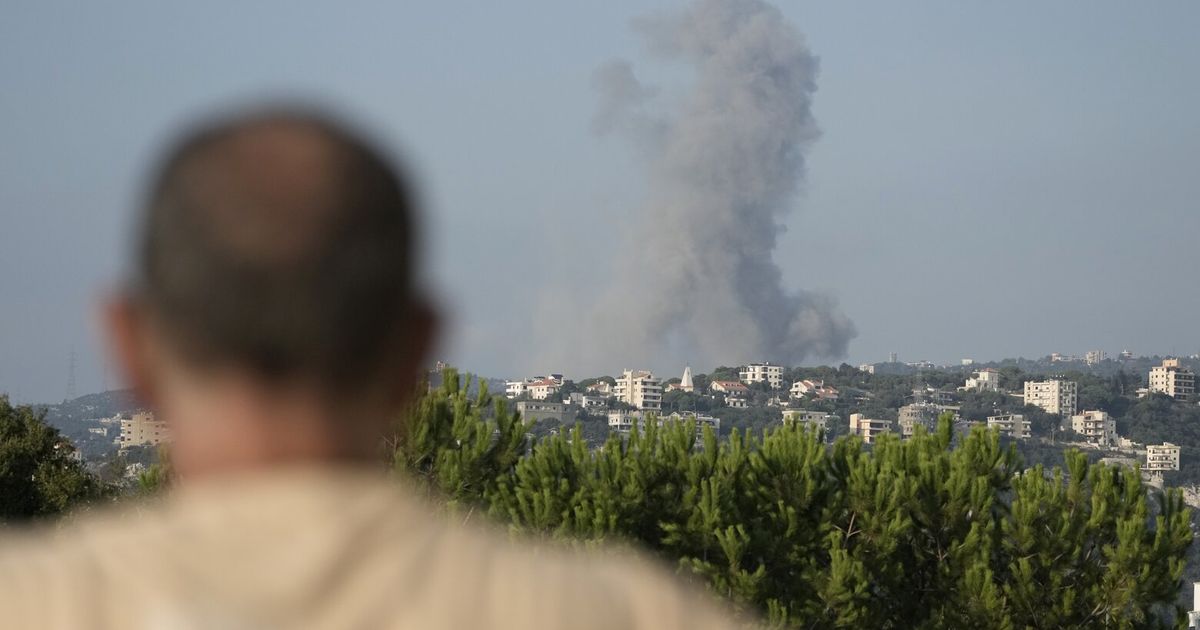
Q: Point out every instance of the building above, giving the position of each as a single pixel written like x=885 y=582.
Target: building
x=587 y=401
x=143 y=429
x=762 y=372
x=623 y=420
x=538 y=387
x=1173 y=379
x=540 y=411
x=1161 y=458
x=639 y=388
x=816 y=389
x=1096 y=427
x=917 y=415
x=869 y=368
x=685 y=383
x=1094 y=357
x=600 y=388
x=1010 y=424
x=817 y=419
x=701 y=420
x=985 y=380
x=867 y=429
x=1055 y=396
x=729 y=388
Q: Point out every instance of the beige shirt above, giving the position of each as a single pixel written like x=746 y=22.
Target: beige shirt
x=319 y=549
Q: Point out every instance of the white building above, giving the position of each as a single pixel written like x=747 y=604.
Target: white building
x=623 y=420
x=917 y=415
x=817 y=389
x=1011 y=424
x=602 y=388
x=685 y=383
x=868 y=429
x=1094 y=357
x=1055 y=396
x=985 y=380
x=538 y=387
x=1161 y=458
x=701 y=420
x=1096 y=427
x=587 y=401
x=639 y=388
x=817 y=419
x=762 y=372
x=1173 y=379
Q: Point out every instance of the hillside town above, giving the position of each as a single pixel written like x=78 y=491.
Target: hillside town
x=1127 y=410
x=1028 y=409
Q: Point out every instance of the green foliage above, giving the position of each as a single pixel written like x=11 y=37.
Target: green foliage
x=457 y=444
x=933 y=532
x=38 y=475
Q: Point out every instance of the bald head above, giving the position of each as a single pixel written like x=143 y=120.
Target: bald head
x=282 y=243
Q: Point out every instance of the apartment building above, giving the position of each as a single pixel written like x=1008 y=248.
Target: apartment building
x=1161 y=458
x=1173 y=379
x=623 y=420
x=701 y=420
x=1010 y=424
x=818 y=419
x=539 y=411
x=1054 y=396
x=1096 y=427
x=1094 y=357
x=868 y=429
x=143 y=429
x=639 y=388
x=917 y=415
x=762 y=372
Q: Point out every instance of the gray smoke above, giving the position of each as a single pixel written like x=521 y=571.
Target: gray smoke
x=697 y=273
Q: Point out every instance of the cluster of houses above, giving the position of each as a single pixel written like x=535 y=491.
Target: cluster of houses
x=642 y=392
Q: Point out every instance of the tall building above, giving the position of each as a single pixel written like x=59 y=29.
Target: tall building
x=1173 y=379
x=639 y=388
x=919 y=414
x=1096 y=427
x=143 y=429
x=867 y=429
x=760 y=372
x=1094 y=357
x=1059 y=397
x=1011 y=424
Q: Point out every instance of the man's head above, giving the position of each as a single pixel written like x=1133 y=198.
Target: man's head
x=276 y=259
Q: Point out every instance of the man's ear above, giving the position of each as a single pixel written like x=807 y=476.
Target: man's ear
x=128 y=337
x=419 y=333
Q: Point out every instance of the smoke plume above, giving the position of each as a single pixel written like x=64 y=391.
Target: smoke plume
x=696 y=277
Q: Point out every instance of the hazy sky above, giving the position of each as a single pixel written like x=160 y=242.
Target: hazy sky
x=992 y=181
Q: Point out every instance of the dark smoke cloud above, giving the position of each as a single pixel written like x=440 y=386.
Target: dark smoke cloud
x=697 y=275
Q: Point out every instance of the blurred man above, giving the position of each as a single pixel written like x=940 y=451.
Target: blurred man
x=273 y=321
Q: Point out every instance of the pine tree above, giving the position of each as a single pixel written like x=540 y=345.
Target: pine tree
x=939 y=531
